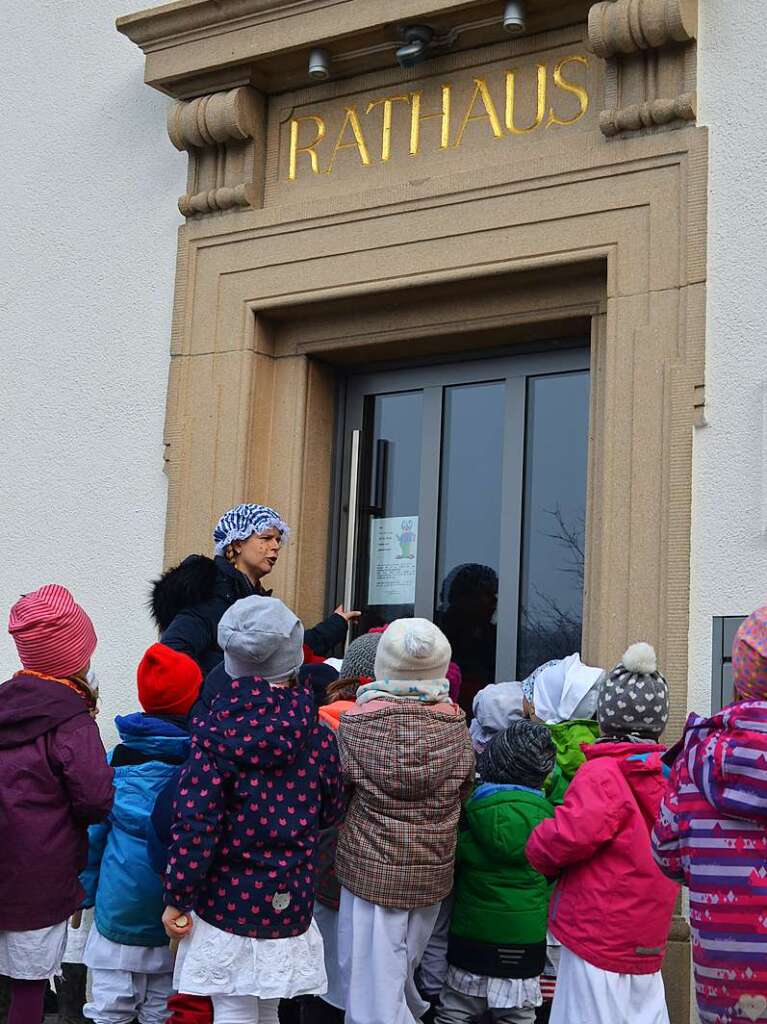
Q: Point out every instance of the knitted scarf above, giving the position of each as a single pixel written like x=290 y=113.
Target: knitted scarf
x=426 y=691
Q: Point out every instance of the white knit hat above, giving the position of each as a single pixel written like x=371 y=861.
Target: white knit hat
x=260 y=636
x=412 y=650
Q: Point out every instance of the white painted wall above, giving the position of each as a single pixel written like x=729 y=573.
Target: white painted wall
x=729 y=542
x=88 y=224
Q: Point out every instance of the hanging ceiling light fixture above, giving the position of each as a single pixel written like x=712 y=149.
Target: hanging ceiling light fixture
x=515 y=17
x=319 y=64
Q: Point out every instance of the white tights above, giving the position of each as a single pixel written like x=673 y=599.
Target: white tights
x=244 y=1010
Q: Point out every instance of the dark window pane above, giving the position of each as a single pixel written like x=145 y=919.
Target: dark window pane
x=470 y=528
x=554 y=518
x=394 y=485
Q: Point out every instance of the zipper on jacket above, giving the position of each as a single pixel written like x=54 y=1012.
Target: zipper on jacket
x=555 y=903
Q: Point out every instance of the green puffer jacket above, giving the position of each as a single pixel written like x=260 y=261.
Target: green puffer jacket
x=501 y=904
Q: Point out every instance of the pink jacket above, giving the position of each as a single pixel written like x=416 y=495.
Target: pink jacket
x=711 y=834
x=611 y=906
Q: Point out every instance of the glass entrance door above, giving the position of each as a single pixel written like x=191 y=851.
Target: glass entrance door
x=463 y=500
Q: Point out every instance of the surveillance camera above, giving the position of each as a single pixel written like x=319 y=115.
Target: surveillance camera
x=418 y=39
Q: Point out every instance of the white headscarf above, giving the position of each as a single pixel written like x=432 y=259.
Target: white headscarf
x=565 y=690
x=495 y=707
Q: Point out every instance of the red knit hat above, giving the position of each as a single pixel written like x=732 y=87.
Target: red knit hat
x=52 y=633
x=168 y=681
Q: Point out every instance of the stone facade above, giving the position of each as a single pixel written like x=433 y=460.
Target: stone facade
x=541 y=183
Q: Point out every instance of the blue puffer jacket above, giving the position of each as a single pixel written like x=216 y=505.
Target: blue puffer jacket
x=119 y=879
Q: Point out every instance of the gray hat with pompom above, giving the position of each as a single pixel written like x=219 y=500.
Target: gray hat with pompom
x=633 y=697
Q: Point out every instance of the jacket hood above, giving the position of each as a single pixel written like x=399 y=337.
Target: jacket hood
x=727 y=759
x=254 y=725
x=192 y=582
x=417 y=756
x=641 y=765
x=330 y=714
x=569 y=738
x=31 y=707
x=153 y=736
x=501 y=817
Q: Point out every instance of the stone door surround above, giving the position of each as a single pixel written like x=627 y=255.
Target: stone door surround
x=558 y=186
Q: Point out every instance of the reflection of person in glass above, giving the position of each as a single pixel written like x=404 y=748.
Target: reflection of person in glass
x=466 y=615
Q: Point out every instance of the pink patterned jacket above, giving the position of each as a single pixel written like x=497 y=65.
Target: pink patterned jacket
x=711 y=834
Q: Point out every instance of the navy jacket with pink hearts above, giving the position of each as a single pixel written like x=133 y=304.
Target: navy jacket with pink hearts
x=262 y=779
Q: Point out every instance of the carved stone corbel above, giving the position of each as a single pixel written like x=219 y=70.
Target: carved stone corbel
x=648 y=46
x=224 y=134
x=628 y=26
x=648 y=115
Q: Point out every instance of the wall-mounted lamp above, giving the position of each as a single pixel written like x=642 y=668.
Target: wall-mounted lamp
x=415 y=50
x=514 y=17
x=319 y=64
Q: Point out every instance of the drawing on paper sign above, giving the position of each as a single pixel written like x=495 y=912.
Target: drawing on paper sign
x=407 y=539
x=393 y=558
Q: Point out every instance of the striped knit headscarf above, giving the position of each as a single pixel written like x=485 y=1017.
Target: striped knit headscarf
x=243 y=521
x=52 y=633
x=749 y=657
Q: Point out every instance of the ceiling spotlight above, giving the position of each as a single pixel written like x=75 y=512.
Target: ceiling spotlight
x=417 y=42
x=514 y=17
x=319 y=64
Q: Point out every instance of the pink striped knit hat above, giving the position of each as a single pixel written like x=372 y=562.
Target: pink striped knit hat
x=52 y=633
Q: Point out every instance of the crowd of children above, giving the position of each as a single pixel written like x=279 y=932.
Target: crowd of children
x=274 y=840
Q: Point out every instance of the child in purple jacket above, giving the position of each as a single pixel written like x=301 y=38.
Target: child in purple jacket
x=711 y=835
x=54 y=782
x=262 y=779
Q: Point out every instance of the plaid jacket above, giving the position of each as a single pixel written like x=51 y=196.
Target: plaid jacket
x=410 y=766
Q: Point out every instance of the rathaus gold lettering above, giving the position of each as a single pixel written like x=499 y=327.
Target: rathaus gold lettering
x=370 y=135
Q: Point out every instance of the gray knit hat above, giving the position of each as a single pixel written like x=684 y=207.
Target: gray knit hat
x=360 y=659
x=633 y=697
x=523 y=754
x=260 y=636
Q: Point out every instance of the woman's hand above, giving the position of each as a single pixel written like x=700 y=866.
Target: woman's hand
x=177 y=923
x=348 y=616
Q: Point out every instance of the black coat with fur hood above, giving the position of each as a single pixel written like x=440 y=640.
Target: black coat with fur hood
x=188 y=601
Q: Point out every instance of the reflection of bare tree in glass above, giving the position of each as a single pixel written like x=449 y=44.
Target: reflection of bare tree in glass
x=549 y=630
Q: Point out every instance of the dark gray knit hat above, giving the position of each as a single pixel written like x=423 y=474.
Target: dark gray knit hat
x=360 y=659
x=633 y=697
x=523 y=754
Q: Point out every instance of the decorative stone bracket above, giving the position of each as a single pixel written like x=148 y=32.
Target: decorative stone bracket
x=650 y=53
x=627 y=26
x=224 y=134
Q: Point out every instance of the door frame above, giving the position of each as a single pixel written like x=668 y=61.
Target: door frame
x=432 y=378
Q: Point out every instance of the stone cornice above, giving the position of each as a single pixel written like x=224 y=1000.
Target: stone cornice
x=198 y=46
x=188 y=19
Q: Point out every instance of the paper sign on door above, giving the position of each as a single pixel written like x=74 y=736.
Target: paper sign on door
x=393 y=550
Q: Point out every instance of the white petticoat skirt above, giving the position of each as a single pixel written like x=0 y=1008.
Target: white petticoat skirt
x=214 y=962
x=33 y=955
x=586 y=994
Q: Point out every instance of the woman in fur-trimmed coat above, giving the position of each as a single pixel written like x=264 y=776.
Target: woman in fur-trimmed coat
x=188 y=601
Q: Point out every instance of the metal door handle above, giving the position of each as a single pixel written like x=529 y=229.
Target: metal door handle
x=351 y=527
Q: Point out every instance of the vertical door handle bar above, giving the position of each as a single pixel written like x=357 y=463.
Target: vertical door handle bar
x=351 y=527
